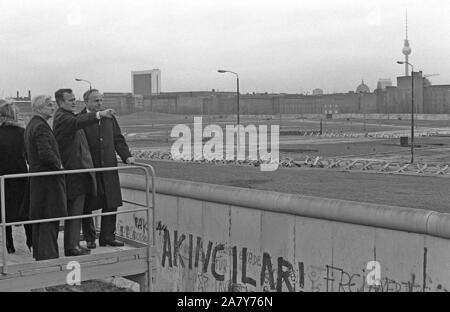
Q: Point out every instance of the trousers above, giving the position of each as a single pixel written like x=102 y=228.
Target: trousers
x=72 y=228
x=45 y=240
x=107 y=226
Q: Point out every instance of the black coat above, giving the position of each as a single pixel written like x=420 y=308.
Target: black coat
x=12 y=160
x=74 y=150
x=47 y=193
x=105 y=139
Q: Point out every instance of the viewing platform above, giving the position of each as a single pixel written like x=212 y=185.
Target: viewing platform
x=24 y=273
x=20 y=272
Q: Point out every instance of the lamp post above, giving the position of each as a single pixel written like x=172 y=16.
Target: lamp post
x=412 y=108
x=90 y=85
x=222 y=71
x=237 y=90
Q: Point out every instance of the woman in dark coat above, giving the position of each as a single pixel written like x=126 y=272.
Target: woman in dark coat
x=47 y=193
x=12 y=160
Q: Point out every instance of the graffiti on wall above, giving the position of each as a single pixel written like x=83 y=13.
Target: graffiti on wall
x=220 y=267
x=217 y=266
x=134 y=227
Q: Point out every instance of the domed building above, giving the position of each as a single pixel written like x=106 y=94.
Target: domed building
x=362 y=88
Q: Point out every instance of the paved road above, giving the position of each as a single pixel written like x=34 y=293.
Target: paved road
x=431 y=193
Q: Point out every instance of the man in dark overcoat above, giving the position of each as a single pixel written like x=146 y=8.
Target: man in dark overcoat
x=105 y=139
x=47 y=193
x=75 y=154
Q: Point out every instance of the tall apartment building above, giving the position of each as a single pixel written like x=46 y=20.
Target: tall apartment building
x=146 y=82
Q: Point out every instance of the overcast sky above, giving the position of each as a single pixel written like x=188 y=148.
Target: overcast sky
x=290 y=46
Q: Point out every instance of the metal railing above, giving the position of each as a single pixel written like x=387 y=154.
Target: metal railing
x=149 y=173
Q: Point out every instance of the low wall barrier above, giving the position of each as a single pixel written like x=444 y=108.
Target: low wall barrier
x=221 y=238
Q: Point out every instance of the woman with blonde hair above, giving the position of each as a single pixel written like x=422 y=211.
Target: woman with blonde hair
x=12 y=160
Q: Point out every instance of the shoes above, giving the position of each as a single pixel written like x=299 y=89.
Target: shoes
x=114 y=243
x=83 y=248
x=9 y=240
x=91 y=245
x=10 y=246
x=29 y=245
x=77 y=251
x=29 y=235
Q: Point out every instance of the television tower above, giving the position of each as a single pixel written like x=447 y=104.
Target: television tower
x=406 y=49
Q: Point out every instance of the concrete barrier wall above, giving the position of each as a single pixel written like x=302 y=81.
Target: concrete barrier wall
x=391 y=101
x=437 y=99
x=368 y=103
x=189 y=105
x=395 y=116
x=219 y=238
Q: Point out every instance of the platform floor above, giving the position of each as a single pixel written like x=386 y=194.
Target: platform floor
x=23 y=255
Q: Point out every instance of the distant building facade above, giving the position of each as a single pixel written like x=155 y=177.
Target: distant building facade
x=317 y=91
x=146 y=83
x=383 y=83
x=385 y=99
x=428 y=99
x=23 y=98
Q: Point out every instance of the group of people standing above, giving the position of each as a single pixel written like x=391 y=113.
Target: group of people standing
x=89 y=139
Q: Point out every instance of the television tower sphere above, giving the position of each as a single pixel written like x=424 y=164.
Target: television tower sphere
x=406 y=49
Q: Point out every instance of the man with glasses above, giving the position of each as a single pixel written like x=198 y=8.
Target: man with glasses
x=75 y=154
x=105 y=139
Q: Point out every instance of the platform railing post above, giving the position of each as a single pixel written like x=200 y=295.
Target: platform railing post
x=3 y=211
x=153 y=205
x=149 y=172
x=149 y=254
x=153 y=209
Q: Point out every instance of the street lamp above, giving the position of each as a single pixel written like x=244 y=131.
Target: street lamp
x=412 y=108
x=90 y=86
x=237 y=92
x=222 y=71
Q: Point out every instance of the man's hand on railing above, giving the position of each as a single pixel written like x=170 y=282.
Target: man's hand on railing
x=107 y=113
x=131 y=160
